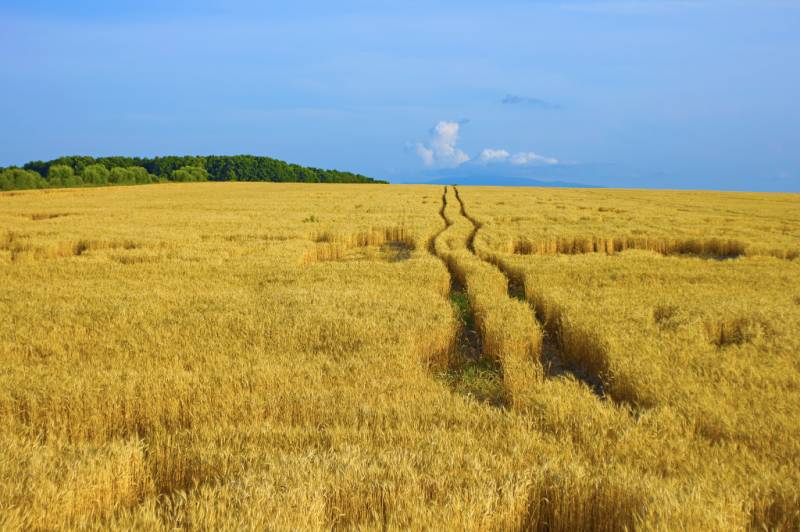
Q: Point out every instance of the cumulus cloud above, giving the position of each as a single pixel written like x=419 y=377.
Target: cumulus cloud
x=441 y=150
x=426 y=154
x=529 y=158
x=491 y=155
x=523 y=158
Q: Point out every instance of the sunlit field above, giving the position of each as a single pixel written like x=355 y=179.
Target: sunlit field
x=287 y=356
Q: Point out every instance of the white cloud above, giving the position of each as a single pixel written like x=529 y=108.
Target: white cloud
x=492 y=155
x=442 y=150
x=426 y=154
x=529 y=158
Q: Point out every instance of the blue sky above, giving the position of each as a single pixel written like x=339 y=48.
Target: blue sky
x=633 y=93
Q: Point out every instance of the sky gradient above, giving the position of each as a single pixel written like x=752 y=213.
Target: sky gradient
x=629 y=93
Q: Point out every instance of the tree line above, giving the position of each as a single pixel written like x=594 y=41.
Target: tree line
x=82 y=170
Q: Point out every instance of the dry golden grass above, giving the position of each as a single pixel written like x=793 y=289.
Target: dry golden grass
x=263 y=356
x=564 y=221
x=699 y=323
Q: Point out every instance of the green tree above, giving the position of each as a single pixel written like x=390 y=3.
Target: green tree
x=18 y=179
x=130 y=175
x=6 y=182
x=96 y=174
x=217 y=167
x=190 y=174
x=61 y=173
x=139 y=175
x=119 y=176
x=73 y=181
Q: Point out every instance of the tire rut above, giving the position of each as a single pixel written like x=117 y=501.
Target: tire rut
x=447 y=223
x=469 y=371
x=475 y=224
x=552 y=360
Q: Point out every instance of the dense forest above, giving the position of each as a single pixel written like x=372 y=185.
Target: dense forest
x=82 y=170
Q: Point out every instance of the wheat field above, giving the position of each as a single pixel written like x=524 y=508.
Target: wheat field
x=300 y=357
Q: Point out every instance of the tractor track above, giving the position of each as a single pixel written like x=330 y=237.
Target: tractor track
x=552 y=360
x=447 y=224
x=469 y=371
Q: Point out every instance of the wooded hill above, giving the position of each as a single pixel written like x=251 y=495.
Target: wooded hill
x=82 y=170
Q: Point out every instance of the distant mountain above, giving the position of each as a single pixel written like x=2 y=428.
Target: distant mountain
x=470 y=180
x=510 y=175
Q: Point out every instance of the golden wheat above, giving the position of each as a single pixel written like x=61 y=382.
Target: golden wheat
x=265 y=356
